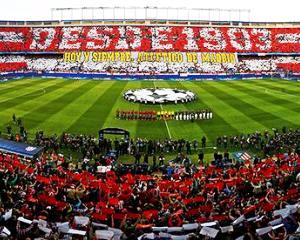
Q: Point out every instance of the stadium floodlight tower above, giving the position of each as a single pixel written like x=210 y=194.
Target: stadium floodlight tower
x=151 y=13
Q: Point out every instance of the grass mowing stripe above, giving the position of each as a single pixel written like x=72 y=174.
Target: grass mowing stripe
x=53 y=106
x=290 y=109
x=157 y=129
x=28 y=96
x=71 y=111
x=181 y=129
x=252 y=106
x=87 y=113
x=12 y=84
x=232 y=100
x=16 y=86
x=262 y=93
x=42 y=100
x=94 y=117
x=212 y=128
x=278 y=87
x=61 y=93
x=122 y=104
x=33 y=103
x=289 y=82
x=231 y=115
x=18 y=92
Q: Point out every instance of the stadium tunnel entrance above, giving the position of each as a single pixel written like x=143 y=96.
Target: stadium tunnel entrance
x=114 y=131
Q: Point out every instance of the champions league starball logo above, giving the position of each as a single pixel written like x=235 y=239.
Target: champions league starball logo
x=159 y=95
x=30 y=149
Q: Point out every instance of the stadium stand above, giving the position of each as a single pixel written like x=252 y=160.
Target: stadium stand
x=53 y=198
x=260 y=200
x=266 y=65
x=99 y=198
x=151 y=50
x=149 y=38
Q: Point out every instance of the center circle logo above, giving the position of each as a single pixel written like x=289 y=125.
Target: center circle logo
x=159 y=95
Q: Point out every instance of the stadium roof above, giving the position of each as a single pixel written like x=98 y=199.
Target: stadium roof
x=147 y=22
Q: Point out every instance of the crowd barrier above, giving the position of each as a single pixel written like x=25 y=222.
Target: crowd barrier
x=171 y=77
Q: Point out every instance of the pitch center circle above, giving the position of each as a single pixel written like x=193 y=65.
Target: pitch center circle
x=159 y=95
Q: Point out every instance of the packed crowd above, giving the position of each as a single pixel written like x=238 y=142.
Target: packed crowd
x=98 y=197
x=153 y=39
x=284 y=140
x=52 y=199
x=149 y=38
x=244 y=65
x=204 y=114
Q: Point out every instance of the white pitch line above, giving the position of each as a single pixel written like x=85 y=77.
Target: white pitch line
x=161 y=107
x=169 y=133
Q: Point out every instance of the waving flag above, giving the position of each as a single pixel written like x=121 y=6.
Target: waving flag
x=242 y=156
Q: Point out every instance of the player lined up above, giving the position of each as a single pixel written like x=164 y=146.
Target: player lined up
x=152 y=115
x=194 y=115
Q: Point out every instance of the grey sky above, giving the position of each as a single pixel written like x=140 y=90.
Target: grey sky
x=261 y=10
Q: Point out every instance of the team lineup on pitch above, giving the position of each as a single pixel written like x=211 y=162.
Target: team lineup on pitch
x=86 y=106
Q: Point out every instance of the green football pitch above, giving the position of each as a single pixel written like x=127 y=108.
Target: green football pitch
x=85 y=106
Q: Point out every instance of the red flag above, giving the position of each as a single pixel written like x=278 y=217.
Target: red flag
x=133 y=216
x=113 y=201
x=268 y=207
x=149 y=214
x=42 y=179
x=119 y=216
x=198 y=199
x=249 y=209
x=206 y=208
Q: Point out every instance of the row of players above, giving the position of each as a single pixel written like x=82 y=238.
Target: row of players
x=164 y=115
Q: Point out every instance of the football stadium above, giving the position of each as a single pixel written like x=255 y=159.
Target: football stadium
x=132 y=123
